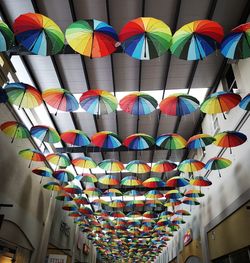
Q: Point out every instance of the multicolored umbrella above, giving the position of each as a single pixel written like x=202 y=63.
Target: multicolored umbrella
x=92 y=38
x=218 y=163
x=179 y=104
x=75 y=137
x=15 y=130
x=53 y=186
x=150 y=214
x=236 y=45
x=153 y=182
x=81 y=200
x=153 y=194
x=245 y=103
x=130 y=181
x=112 y=192
x=32 y=155
x=182 y=212
x=173 y=194
x=85 y=211
x=63 y=176
x=138 y=103
x=145 y=38
x=70 y=207
x=60 y=99
x=138 y=166
x=200 y=181
x=84 y=162
x=190 y=201
x=6 y=37
x=200 y=141
x=135 y=203
x=23 y=95
x=111 y=165
x=166 y=214
x=72 y=189
x=38 y=34
x=117 y=214
x=197 y=40
x=106 y=139
x=45 y=134
x=220 y=102
x=98 y=102
x=190 y=166
x=89 y=178
x=229 y=139
x=93 y=191
x=64 y=197
x=177 y=181
x=132 y=193
x=117 y=204
x=109 y=179
x=163 y=166
x=43 y=171
x=139 y=141
x=194 y=193
x=58 y=159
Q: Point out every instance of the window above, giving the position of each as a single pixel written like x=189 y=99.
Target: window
x=229 y=81
x=215 y=121
x=241 y=256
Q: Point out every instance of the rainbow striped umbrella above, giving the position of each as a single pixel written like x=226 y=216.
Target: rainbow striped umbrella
x=132 y=193
x=98 y=102
x=190 y=201
x=153 y=182
x=134 y=214
x=53 y=186
x=63 y=176
x=58 y=159
x=85 y=211
x=236 y=44
x=33 y=155
x=220 y=102
x=60 y=99
x=153 y=203
x=15 y=130
x=117 y=204
x=138 y=103
x=106 y=139
x=177 y=181
x=150 y=214
x=93 y=191
x=217 y=163
x=81 y=200
x=70 y=207
x=166 y=214
x=43 y=171
x=6 y=37
x=139 y=141
x=64 y=198
x=99 y=201
x=38 y=34
x=75 y=214
x=245 y=103
x=109 y=179
x=23 y=95
x=84 y=162
x=45 y=134
x=194 y=193
x=179 y=104
x=200 y=141
x=138 y=166
x=200 y=181
x=130 y=181
x=117 y=214
x=229 y=139
x=190 y=166
x=135 y=203
x=75 y=137
x=173 y=194
x=163 y=166
x=89 y=178
x=72 y=189
x=153 y=194
x=178 y=220
x=163 y=222
x=92 y=38
x=182 y=212
x=145 y=38
x=172 y=203
x=197 y=40
x=111 y=165
x=112 y=192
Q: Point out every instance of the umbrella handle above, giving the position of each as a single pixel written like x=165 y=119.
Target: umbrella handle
x=59 y=104
x=21 y=100
x=13 y=138
x=31 y=160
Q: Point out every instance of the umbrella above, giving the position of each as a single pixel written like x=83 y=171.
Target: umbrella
x=92 y=38
x=80 y=200
x=150 y=214
x=166 y=214
x=229 y=139
x=38 y=34
x=6 y=37
x=236 y=45
x=193 y=193
x=112 y=192
x=173 y=194
x=137 y=166
x=60 y=99
x=53 y=186
x=89 y=178
x=63 y=176
x=108 y=179
x=190 y=201
x=117 y=204
x=138 y=103
x=23 y=95
x=177 y=181
x=139 y=141
x=220 y=102
x=132 y=193
x=45 y=134
x=145 y=38
x=197 y=40
x=217 y=163
x=179 y=104
x=64 y=198
x=135 y=203
x=111 y=165
x=245 y=103
x=70 y=207
x=85 y=211
x=178 y=220
x=130 y=181
x=98 y=102
x=200 y=141
x=43 y=172
x=84 y=162
x=163 y=166
x=58 y=159
x=93 y=191
x=106 y=139
x=153 y=182
x=153 y=203
x=117 y=214
x=153 y=194
x=75 y=137
x=99 y=201
x=72 y=189
x=182 y=212
x=33 y=155
x=200 y=181
x=14 y=130
x=172 y=203
x=190 y=166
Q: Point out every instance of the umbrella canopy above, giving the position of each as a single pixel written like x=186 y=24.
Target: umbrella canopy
x=53 y=186
x=109 y=179
x=112 y=192
x=153 y=194
x=197 y=40
x=58 y=159
x=177 y=181
x=218 y=163
x=150 y=214
x=106 y=139
x=182 y=212
x=23 y=95
x=171 y=141
x=138 y=103
x=6 y=37
x=200 y=141
x=72 y=189
x=75 y=137
x=63 y=176
x=179 y=104
x=32 y=155
x=92 y=38
x=45 y=133
x=15 y=130
x=60 y=99
x=138 y=166
x=135 y=203
x=89 y=178
x=84 y=162
x=111 y=165
x=64 y=197
x=173 y=194
x=190 y=201
x=93 y=191
x=193 y=193
x=70 y=207
x=130 y=181
x=38 y=34
x=98 y=102
x=43 y=171
x=190 y=166
x=117 y=204
x=132 y=193
x=236 y=45
x=145 y=38
x=81 y=200
x=163 y=166
x=245 y=103
x=153 y=182
x=200 y=181
x=139 y=141
x=117 y=214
